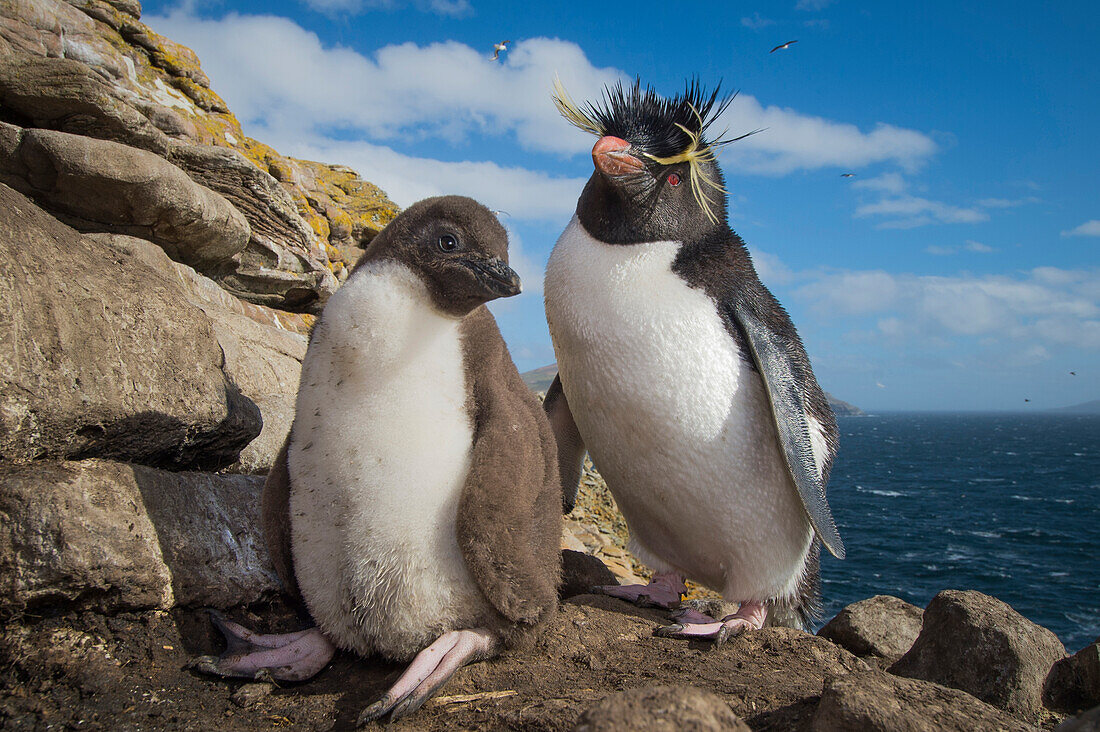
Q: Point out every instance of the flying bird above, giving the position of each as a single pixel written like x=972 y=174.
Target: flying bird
x=1072 y=373
x=497 y=48
x=847 y=175
x=782 y=46
x=682 y=375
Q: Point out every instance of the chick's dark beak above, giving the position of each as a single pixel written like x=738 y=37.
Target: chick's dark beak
x=611 y=157
x=498 y=279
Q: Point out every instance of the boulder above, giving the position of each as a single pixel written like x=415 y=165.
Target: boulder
x=661 y=709
x=284 y=264
x=104 y=186
x=113 y=536
x=263 y=347
x=881 y=626
x=1086 y=722
x=103 y=357
x=66 y=95
x=581 y=572
x=90 y=67
x=878 y=702
x=1074 y=682
x=982 y=646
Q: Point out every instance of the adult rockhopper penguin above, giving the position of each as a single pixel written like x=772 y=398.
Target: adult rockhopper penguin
x=683 y=376
x=416 y=505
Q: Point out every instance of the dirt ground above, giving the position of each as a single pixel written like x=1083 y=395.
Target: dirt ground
x=127 y=672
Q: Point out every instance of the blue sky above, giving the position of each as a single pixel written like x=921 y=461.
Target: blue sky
x=958 y=269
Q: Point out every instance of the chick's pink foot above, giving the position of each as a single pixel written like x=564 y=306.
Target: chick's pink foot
x=430 y=670
x=285 y=657
x=693 y=624
x=664 y=590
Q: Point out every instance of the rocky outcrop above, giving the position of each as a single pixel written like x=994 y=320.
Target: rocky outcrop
x=94 y=70
x=96 y=185
x=661 y=709
x=263 y=348
x=879 y=702
x=103 y=357
x=881 y=627
x=982 y=646
x=111 y=536
x=1074 y=682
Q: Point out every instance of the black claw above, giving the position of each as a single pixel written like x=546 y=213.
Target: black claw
x=721 y=636
x=204 y=664
x=374 y=711
x=403 y=708
x=669 y=631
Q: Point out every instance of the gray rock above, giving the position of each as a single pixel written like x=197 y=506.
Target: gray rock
x=881 y=626
x=263 y=356
x=104 y=186
x=979 y=644
x=250 y=694
x=1087 y=722
x=65 y=94
x=878 y=702
x=1074 y=683
x=283 y=264
x=103 y=357
x=661 y=709
x=112 y=536
x=580 y=572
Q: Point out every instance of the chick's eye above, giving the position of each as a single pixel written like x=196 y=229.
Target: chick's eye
x=448 y=242
x=673 y=179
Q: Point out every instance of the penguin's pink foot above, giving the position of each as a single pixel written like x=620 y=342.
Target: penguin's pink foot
x=692 y=624
x=430 y=670
x=286 y=657
x=664 y=591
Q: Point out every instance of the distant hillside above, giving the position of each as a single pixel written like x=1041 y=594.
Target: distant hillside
x=540 y=379
x=1092 y=407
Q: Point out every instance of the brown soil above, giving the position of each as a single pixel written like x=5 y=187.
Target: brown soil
x=89 y=671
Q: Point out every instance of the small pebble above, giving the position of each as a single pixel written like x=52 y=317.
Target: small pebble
x=249 y=694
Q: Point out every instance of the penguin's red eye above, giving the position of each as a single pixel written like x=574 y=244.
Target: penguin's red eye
x=673 y=179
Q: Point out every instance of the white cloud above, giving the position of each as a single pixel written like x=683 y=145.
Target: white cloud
x=791 y=141
x=1089 y=228
x=770 y=268
x=454 y=8
x=916 y=211
x=886 y=183
x=969 y=246
x=270 y=69
x=1007 y=202
x=1045 y=306
x=524 y=194
x=756 y=22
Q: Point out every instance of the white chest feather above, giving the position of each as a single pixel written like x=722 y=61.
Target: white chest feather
x=675 y=419
x=379 y=453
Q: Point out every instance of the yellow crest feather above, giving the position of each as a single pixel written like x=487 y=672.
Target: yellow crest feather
x=695 y=155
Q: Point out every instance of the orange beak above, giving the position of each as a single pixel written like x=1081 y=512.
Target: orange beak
x=610 y=157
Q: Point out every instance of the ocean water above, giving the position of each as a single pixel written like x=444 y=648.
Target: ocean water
x=1005 y=504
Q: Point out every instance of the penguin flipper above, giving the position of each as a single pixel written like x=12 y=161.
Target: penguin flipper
x=275 y=517
x=509 y=520
x=772 y=357
x=570 y=443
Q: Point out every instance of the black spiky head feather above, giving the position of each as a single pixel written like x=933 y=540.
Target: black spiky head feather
x=666 y=131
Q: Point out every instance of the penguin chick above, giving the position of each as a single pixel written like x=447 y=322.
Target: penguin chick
x=415 y=507
x=682 y=375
